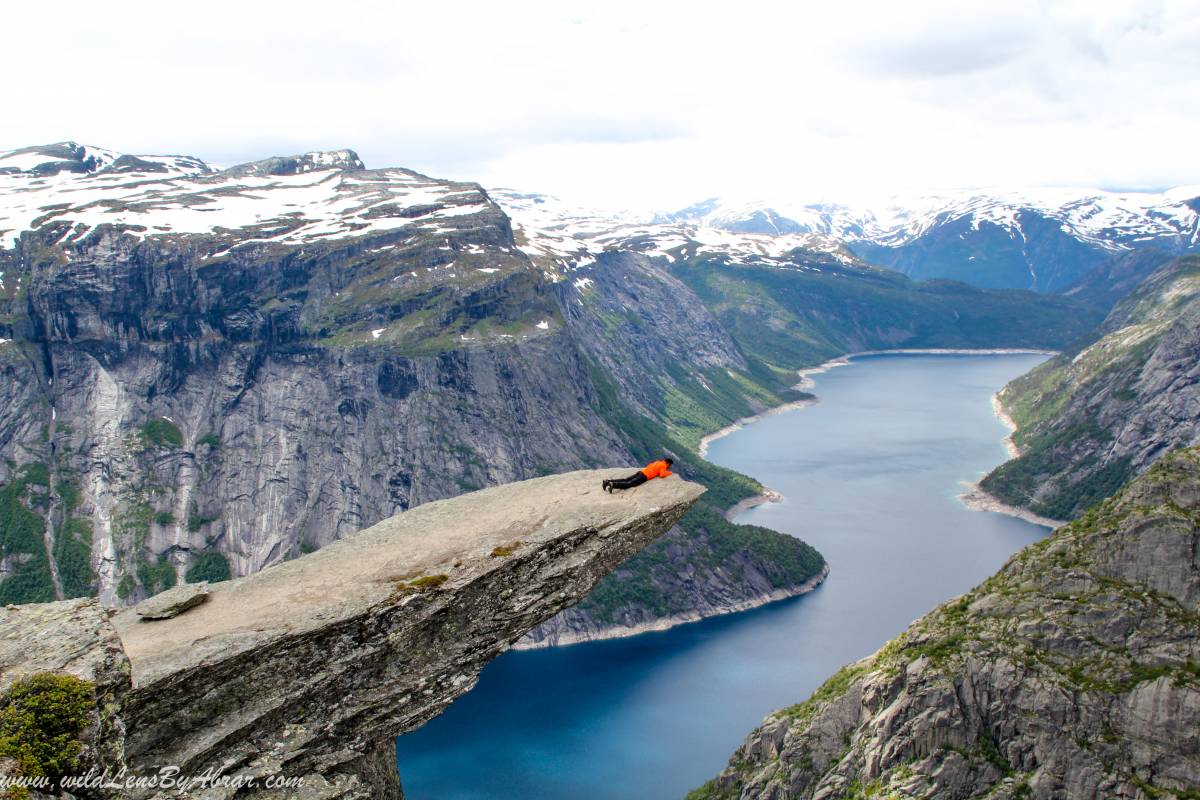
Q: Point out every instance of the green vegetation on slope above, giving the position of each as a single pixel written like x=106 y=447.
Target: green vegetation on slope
x=1070 y=410
x=161 y=432
x=211 y=566
x=797 y=318
x=22 y=537
x=72 y=554
x=42 y=721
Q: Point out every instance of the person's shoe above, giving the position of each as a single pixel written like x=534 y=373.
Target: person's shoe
x=604 y=485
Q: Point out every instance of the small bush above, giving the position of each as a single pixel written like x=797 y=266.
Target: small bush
x=210 y=440
x=505 y=550
x=162 y=432
x=42 y=720
x=126 y=587
x=423 y=584
x=209 y=566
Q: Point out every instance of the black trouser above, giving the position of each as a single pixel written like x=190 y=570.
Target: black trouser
x=636 y=479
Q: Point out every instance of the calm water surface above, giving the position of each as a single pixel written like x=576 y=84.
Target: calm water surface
x=871 y=477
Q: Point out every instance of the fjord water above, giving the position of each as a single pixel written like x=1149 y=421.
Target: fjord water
x=871 y=477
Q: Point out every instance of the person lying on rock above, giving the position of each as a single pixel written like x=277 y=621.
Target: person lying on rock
x=655 y=469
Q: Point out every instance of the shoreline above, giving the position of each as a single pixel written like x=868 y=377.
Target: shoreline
x=974 y=498
x=805 y=382
x=977 y=499
x=702 y=449
x=1010 y=444
x=666 y=623
x=765 y=496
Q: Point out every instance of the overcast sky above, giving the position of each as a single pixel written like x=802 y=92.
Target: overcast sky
x=631 y=104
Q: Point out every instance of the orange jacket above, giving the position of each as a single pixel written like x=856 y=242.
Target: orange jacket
x=657 y=469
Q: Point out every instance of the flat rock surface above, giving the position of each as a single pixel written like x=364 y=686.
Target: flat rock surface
x=455 y=538
x=173 y=602
x=72 y=636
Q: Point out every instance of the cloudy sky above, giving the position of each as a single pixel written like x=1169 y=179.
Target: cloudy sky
x=631 y=104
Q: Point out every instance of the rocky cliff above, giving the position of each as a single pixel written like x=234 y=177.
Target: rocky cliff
x=1072 y=673
x=205 y=372
x=1106 y=410
x=309 y=669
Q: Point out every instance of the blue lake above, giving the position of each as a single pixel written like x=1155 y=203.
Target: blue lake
x=871 y=477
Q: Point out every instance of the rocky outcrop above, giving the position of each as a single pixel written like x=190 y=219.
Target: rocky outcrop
x=1073 y=673
x=173 y=602
x=310 y=668
x=732 y=568
x=1093 y=417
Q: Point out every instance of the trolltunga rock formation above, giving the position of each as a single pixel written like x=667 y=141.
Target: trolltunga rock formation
x=310 y=668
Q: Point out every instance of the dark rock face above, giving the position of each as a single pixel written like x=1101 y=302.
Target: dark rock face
x=311 y=668
x=1072 y=673
x=258 y=403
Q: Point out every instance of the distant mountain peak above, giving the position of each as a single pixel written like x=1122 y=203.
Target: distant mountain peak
x=285 y=200
x=295 y=165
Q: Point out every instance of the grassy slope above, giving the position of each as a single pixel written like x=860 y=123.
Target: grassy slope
x=799 y=318
x=1064 y=407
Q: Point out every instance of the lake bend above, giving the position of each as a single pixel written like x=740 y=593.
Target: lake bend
x=870 y=476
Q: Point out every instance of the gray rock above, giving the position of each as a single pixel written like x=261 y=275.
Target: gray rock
x=310 y=668
x=1071 y=674
x=172 y=602
x=74 y=637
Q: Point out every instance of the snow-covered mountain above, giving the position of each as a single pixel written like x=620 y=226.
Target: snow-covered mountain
x=293 y=200
x=1041 y=239
x=560 y=235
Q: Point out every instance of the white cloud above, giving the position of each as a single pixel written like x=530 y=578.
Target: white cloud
x=631 y=104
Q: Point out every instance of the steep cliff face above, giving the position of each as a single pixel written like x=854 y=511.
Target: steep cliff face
x=1072 y=673
x=209 y=395
x=309 y=669
x=207 y=372
x=1096 y=415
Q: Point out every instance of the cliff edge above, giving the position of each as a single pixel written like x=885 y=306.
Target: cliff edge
x=310 y=668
